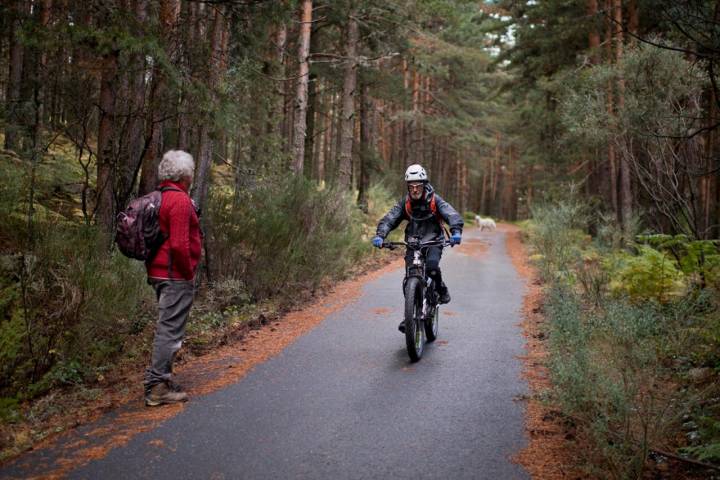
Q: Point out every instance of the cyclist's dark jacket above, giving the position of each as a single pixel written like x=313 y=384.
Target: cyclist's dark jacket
x=423 y=223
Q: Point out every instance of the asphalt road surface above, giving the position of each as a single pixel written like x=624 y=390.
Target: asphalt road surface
x=344 y=402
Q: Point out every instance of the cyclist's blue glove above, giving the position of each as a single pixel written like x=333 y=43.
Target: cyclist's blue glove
x=377 y=242
x=455 y=239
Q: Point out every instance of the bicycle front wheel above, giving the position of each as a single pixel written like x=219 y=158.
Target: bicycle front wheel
x=414 y=324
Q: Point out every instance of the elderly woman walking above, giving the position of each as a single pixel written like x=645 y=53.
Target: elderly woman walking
x=171 y=272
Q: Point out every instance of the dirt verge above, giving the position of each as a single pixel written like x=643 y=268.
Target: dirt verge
x=548 y=454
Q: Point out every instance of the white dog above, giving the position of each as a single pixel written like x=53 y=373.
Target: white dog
x=485 y=223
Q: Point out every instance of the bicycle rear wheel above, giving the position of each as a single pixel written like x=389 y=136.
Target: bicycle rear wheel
x=414 y=324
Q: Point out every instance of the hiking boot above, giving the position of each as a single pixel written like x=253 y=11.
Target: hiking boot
x=174 y=387
x=161 y=394
x=401 y=327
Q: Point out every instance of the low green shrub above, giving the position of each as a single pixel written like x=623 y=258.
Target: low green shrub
x=649 y=274
x=556 y=235
x=284 y=236
x=67 y=306
x=699 y=260
x=606 y=372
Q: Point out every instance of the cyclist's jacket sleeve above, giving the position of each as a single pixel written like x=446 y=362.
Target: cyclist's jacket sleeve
x=449 y=214
x=392 y=219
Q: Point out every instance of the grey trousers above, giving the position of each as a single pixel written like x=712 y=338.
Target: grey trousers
x=175 y=297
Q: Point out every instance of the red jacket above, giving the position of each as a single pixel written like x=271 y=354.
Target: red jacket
x=179 y=255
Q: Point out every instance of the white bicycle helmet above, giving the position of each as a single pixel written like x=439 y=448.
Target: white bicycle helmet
x=415 y=173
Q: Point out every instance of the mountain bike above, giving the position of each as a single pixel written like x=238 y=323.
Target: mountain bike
x=422 y=309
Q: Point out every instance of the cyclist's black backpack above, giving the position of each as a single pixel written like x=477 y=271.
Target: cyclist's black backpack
x=137 y=231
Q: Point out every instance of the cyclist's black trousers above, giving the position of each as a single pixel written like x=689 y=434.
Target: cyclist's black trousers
x=432 y=264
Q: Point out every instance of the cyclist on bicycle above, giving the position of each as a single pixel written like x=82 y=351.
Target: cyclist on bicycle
x=425 y=212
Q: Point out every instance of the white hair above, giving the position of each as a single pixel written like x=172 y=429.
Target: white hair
x=176 y=165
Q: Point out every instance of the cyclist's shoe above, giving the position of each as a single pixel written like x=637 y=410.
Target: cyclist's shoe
x=401 y=327
x=444 y=295
x=161 y=394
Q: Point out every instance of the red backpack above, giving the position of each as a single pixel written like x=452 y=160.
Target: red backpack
x=433 y=209
x=137 y=230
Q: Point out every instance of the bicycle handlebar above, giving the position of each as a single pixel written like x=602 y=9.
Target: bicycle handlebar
x=433 y=243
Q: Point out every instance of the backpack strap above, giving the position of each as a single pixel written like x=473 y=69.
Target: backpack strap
x=433 y=209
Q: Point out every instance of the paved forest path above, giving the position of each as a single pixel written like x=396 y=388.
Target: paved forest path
x=344 y=402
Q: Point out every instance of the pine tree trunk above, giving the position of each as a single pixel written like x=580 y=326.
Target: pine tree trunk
x=131 y=151
x=713 y=149
x=405 y=127
x=40 y=81
x=365 y=148
x=593 y=176
x=337 y=141
x=415 y=136
x=301 y=99
x=105 y=199
x=494 y=174
x=510 y=197
x=15 y=75
x=151 y=154
x=593 y=34
x=465 y=187
x=290 y=87
x=633 y=21
x=483 y=192
x=278 y=107
x=447 y=163
x=330 y=136
x=611 y=186
x=205 y=147
x=625 y=187
x=323 y=125
x=344 y=176
x=310 y=136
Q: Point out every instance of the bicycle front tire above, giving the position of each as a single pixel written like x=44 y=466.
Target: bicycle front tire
x=414 y=324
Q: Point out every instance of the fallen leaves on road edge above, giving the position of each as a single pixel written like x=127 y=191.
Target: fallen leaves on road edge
x=548 y=454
